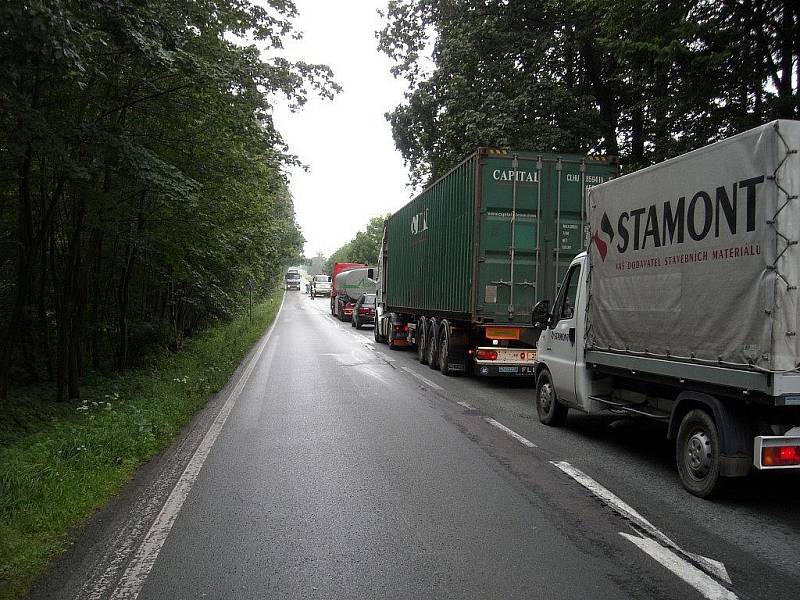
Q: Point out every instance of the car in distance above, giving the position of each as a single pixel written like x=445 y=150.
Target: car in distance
x=364 y=311
x=321 y=286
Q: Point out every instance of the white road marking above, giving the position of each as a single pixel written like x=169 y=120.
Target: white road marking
x=372 y=371
x=704 y=584
x=424 y=380
x=465 y=405
x=510 y=432
x=709 y=565
x=132 y=581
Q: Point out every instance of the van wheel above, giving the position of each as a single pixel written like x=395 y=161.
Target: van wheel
x=432 y=339
x=697 y=453
x=422 y=340
x=550 y=410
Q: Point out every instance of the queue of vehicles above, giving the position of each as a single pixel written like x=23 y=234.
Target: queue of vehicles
x=668 y=294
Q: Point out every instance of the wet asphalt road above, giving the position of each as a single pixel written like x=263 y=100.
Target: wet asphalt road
x=346 y=470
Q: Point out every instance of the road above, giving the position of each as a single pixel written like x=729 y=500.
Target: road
x=332 y=467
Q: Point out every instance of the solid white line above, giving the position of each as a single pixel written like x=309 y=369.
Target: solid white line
x=465 y=405
x=608 y=498
x=424 y=380
x=510 y=432
x=132 y=581
x=629 y=513
x=704 y=584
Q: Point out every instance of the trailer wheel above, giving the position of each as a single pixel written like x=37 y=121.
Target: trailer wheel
x=444 y=350
x=550 y=410
x=432 y=339
x=422 y=340
x=697 y=453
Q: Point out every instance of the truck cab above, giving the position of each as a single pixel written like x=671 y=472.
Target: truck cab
x=560 y=349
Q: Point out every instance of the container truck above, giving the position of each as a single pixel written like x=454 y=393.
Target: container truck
x=350 y=285
x=338 y=268
x=685 y=308
x=462 y=265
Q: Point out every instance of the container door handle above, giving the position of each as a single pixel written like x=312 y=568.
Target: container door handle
x=572 y=335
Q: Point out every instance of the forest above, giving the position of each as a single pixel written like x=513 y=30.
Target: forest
x=142 y=182
x=642 y=80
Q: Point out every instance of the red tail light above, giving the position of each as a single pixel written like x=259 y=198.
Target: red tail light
x=780 y=456
x=486 y=355
x=364 y=311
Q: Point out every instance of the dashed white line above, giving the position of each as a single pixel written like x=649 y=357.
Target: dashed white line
x=510 y=432
x=704 y=584
x=465 y=405
x=658 y=544
x=424 y=380
x=132 y=581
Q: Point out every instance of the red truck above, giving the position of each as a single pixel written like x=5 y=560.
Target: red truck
x=338 y=268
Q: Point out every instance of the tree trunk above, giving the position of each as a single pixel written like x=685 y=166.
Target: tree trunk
x=609 y=118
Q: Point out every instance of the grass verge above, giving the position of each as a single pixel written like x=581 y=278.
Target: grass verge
x=60 y=462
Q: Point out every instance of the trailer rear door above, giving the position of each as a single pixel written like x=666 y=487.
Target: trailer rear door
x=531 y=225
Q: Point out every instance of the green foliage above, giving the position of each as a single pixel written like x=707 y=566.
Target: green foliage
x=644 y=80
x=363 y=248
x=61 y=461
x=142 y=184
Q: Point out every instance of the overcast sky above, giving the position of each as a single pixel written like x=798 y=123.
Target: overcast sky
x=355 y=172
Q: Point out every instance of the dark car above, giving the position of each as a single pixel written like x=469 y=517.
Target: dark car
x=364 y=311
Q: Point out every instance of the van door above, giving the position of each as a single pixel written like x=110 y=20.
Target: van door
x=562 y=343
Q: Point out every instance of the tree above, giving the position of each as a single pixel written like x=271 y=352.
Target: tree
x=142 y=183
x=639 y=80
x=364 y=247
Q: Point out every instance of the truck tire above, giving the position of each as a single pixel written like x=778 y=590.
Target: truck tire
x=697 y=453
x=422 y=340
x=550 y=410
x=444 y=349
x=432 y=339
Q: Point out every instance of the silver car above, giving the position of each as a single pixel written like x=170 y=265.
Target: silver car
x=321 y=286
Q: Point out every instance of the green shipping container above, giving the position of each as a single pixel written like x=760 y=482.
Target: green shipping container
x=492 y=237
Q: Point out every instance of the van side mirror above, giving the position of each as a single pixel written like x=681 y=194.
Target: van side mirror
x=541 y=314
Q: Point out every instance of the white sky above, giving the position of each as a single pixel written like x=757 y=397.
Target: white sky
x=355 y=172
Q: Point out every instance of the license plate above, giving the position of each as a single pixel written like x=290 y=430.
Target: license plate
x=517 y=356
x=508 y=369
